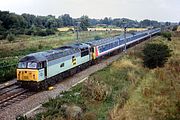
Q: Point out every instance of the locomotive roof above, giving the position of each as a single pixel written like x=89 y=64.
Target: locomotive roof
x=107 y=40
x=120 y=37
x=50 y=54
x=79 y=45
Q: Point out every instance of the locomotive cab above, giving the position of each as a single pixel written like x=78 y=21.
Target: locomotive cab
x=31 y=69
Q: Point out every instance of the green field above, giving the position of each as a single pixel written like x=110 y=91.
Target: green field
x=125 y=90
x=11 y=52
x=104 y=29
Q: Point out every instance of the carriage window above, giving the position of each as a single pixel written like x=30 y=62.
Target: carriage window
x=32 y=65
x=22 y=65
x=84 y=53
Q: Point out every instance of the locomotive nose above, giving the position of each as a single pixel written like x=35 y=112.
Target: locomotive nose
x=27 y=75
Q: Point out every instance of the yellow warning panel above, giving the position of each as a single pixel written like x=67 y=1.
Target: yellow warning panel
x=27 y=75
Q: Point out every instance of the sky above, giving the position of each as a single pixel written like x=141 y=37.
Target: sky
x=161 y=10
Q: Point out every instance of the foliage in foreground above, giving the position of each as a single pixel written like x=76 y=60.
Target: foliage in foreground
x=156 y=55
x=157 y=95
x=97 y=95
x=167 y=35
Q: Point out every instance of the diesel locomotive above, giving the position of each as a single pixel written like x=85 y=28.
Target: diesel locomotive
x=42 y=69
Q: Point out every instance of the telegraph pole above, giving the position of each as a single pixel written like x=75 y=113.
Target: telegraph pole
x=150 y=29
x=77 y=34
x=77 y=31
x=125 y=40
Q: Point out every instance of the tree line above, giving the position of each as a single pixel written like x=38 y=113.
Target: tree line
x=11 y=23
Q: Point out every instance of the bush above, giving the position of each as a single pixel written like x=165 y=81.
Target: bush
x=175 y=28
x=2 y=37
x=50 y=31
x=29 y=32
x=10 y=37
x=167 y=35
x=97 y=37
x=95 y=90
x=156 y=55
x=41 y=33
x=3 y=33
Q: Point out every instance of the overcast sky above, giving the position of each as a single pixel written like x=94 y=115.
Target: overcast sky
x=161 y=10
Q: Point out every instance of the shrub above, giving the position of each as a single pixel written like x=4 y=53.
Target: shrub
x=175 y=28
x=41 y=33
x=96 y=90
x=156 y=55
x=167 y=35
x=3 y=33
x=10 y=37
x=29 y=32
x=97 y=37
x=2 y=37
x=50 y=31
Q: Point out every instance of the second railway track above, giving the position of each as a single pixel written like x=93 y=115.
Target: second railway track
x=12 y=94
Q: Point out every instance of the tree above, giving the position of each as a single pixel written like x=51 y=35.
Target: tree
x=84 y=23
x=167 y=23
x=66 y=20
x=155 y=55
x=93 y=22
x=60 y=22
x=107 y=21
x=51 y=22
x=145 y=23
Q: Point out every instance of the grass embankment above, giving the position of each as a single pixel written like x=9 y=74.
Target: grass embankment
x=157 y=95
x=125 y=90
x=10 y=53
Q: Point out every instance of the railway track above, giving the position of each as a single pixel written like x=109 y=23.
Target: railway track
x=11 y=94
